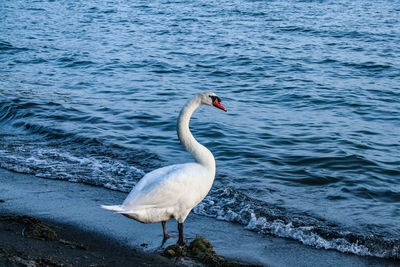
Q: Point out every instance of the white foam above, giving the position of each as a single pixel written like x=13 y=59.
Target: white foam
x=231 y=206
x=55 y=163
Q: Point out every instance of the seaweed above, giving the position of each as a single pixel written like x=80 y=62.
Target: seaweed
x=201 y=250
x=34 y=228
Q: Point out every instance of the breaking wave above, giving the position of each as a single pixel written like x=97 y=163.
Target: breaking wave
x=231 y=205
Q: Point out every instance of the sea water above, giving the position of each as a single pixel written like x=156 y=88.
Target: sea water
x=309 y=148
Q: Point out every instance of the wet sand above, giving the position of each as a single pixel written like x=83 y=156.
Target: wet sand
x=66 y=246
x=75 y=208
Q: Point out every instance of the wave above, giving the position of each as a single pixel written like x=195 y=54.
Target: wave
x=72 y=164
x=7 y=47
x=28 y=146
x=231 y=205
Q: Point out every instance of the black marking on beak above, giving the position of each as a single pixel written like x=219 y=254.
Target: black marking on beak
x=213 y=97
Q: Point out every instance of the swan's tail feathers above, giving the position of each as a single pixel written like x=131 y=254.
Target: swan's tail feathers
x=116 y=208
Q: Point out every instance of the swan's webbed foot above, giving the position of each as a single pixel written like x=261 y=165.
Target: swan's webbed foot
x=181 y=239
x=181 y=242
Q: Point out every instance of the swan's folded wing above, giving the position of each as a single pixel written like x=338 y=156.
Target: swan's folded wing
x=165 y=187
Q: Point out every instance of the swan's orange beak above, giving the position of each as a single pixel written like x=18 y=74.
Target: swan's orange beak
x=219 y=105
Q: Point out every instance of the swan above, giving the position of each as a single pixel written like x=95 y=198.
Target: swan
x=173 y=191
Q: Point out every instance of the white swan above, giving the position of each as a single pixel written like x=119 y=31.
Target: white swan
x=172 y=191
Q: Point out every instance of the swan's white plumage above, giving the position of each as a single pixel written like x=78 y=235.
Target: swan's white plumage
x=165 y=193
x=172 y=191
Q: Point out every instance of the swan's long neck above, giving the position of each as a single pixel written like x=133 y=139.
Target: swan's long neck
x=201 y=154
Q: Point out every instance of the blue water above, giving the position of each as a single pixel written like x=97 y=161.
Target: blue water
x=310 y=146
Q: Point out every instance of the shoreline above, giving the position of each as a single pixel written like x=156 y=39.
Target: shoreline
x=78 y=206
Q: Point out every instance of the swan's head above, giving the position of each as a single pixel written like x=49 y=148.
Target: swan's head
x=211 y=99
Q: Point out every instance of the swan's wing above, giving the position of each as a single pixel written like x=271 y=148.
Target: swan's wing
x=164 y=187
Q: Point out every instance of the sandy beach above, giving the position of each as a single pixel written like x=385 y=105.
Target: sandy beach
x=74 y=209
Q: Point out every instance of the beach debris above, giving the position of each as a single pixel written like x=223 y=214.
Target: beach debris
x=34 y=228
x=72 y=244
x=50 y=262
x=175 y=251
x=201 y=250
x=19 y=261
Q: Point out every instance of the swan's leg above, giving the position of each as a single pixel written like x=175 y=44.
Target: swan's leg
x=181 y=240
x=166 y=235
